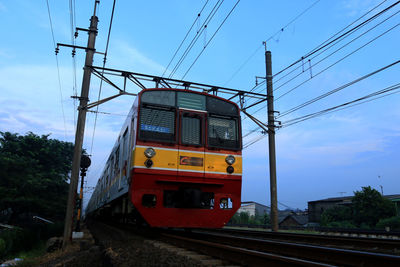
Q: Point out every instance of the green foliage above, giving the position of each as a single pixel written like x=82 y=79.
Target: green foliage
x=336 y=214
x=245 y=218
x=341 y=224
x=34 y=172
x=2 y=247
x=393 y=223
x=369 y=207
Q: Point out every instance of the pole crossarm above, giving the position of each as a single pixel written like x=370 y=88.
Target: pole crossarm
x=138 y=78
x=258 y=122
x=93 y=104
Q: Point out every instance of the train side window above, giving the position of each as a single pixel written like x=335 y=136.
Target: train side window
x=116 y=165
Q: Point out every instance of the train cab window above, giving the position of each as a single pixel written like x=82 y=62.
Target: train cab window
x=157 y=123
x=223 y=132
x=191 y=132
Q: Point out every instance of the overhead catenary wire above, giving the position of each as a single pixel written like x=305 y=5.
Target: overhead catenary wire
x=101 y=81
x=300 y=66
x=362 y=100
x=309 y=102
x=262 y=107
x=196 y=37
x=184 y=39
x=268 y=39
x=58 y=70
x=72 y=18
x=377 y=95
x=326 y=45
x=336 y=62
x=334 y=52
x=212 y=37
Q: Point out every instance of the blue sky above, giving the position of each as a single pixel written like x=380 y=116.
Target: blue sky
x=318 y=158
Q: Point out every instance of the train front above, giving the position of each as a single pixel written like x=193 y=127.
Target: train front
x=186 y=160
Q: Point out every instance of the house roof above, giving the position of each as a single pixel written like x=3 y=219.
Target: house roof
x=300 y=219
x=348 y=198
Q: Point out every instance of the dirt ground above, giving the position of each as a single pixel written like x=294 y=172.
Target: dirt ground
x=109 y=246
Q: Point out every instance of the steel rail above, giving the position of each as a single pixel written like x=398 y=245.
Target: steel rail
x=366 y=243
x=238 y=255
x=310 y=253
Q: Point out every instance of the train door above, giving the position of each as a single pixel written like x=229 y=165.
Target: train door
x=191 y=143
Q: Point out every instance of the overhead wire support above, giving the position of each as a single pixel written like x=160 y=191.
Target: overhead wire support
x=101 y=81
x=182 y=84
x=80 y=129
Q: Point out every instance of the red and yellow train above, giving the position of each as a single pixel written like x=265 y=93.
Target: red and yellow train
x=177 y=162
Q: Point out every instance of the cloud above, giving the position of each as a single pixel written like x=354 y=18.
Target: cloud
x=3 y=8
x=127 y=55
x=358 y=7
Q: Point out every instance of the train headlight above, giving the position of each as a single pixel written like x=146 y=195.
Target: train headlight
x=149 y=152
x=230 y=159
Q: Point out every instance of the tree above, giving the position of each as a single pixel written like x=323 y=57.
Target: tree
x=336 y=214
x=369 y=207
x=33 y=175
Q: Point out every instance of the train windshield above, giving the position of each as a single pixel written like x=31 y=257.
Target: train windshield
x=223 y=132
x=158 y=119
x=157 y=123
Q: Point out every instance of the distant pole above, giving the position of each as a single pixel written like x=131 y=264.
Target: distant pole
x=85 y=163
x=271 y=142
x=80 y=128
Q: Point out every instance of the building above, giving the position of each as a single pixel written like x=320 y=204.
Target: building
x=294 y=220
x=253 y=208
x=317 y=207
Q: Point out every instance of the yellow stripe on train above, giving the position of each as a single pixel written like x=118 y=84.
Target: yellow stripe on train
x=185 y=160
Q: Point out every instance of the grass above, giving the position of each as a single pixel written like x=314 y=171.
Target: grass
x=30 y=258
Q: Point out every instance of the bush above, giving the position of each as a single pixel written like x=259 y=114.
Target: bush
x=342 y=224
x=2 y=247
x=393 y=223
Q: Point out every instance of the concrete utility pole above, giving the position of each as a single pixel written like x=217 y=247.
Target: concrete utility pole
x=80 y=128
x=271 y=142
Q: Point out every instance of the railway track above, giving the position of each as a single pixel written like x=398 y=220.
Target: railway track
x=390 y=246
x=251 y=251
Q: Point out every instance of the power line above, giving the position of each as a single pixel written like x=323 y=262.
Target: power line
x=335 y=90
x=377 y=95
x=201 y=52
x=326 y=43
x=269 y=38
x=336 y=62
x=179 y=47
x=258 y=85
x=58 y=70
x=196 y=37
x=72 y=18
x=101 y=81
x=368 y=98
x=332 y=53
